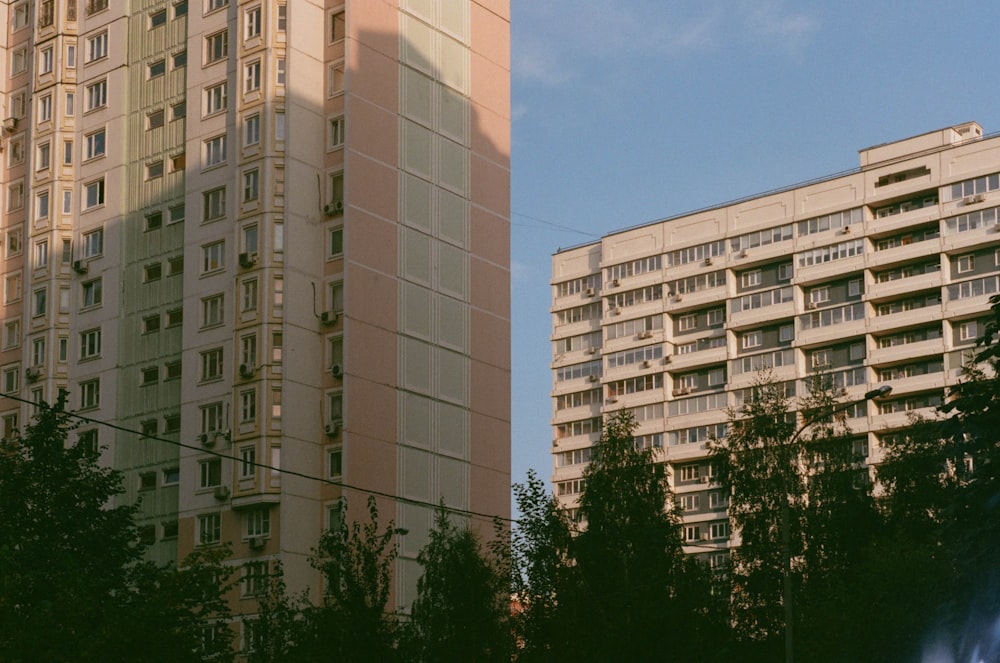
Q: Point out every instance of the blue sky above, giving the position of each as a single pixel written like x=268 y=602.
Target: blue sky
x=634 y=110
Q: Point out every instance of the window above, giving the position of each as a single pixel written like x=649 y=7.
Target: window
x=180 y=8
x=857 y=351
x=156 y=19
x=212 y=311
x=335 y=187
x=39 y=306
x=335 y=84
x=251 y=130
x=15 y=199
x=175 y=317
x=92 y=293
x=251 y=76
x=717 y=316
x=968 y=331
x=19 y=61
x=335 y=136
x=752 y=339
x=217 y=4
x=178 y=110
x=338 y=26
x=966 y=263
x=67 y=152
x=38 y=352
x=251 y=180
x=171 y=422
x=259 y=522
x=71 y=56
x=337 y=296
x=44 y=156
x=11 y=380
x=45 y=108
x=750 y=279
x=11 y=334
x=854 y=288
x=157 y=69
x=248 y=349
x=786 y=333
x=211 y=364
x=15 y=155
x=150 y=375
x=177 y=162
x=687 y=322
x=248 y=406
x=821 y=359
x=45 y=61
x=785 y=272
x=282 y=17
x=154 y=120
x=175 y=265
x=179 y=59
x=90 y=343
x=93 y=243
x=154 y=220
x=211 y=418
x=215 y=150
x=95 y=144
x=255 y=580
x=210 y=473
x=93 y=194
x=819 y=295
x=94 y=6
x=90 y=394
x=716 y=377
x=176 y=214
x=335 y=406
x=97 y=46
x=151 y=324
x=70 y=104
x=251 y=23
x=336 y=241
x=216 y=46
x=213 y=256
x=209 y=529
x=335 y=462
x=154 y=170
x=248 y=462
x=97 y=95
x=152 y=272
x=215 y=204
x=216 y=98
x=67 y=208
x=20 y=18
x=42 y=205
x=248 y=295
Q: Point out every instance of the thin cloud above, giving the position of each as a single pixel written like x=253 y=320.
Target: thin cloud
x=556 y=40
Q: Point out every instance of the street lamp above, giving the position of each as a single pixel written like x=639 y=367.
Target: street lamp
x=786 y=542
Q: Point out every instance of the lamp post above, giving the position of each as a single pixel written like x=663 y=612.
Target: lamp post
x=786 y=536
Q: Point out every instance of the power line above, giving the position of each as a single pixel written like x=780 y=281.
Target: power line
x=301 y=475
x=554 y=225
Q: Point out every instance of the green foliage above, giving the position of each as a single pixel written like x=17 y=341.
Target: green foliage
x=462 y=609
x=72 y=583
x=620 y=589
x=356 y=561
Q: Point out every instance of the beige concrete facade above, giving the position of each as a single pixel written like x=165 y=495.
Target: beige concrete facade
x=276 y=231
x=880 y=276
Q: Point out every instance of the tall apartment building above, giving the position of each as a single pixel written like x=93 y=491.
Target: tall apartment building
x=879 y=276
x=274 y=230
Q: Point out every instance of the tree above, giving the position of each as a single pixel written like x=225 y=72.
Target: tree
x=462 y=609
x=353 y=622
x=72 y=582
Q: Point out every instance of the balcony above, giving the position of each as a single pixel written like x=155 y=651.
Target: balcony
x=902 y=352
x=905 y=253
x=897 y=287
x=758 y=316
x=911 y=318
x=686 y=362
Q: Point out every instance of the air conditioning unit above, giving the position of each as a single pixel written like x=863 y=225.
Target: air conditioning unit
x=972 y=200
x=743 y=254
x=647 y=363
x=846 y=230
x=80 y=266
x=206 y=440
x=334 y=208
x=704 y=537
x=613 y=399
x=646 y=334
x=995 y=228
x=678 y=298
x=32 y=373
x=592 y=350
x=589 y=292
x=810 y=306
x=592 y=378
x=337 y=370
x=255 y=542
x=614 y=283
x=615 y=311
x=246 y=370
x=332 y=428
x=329 y=318
x=222 y=492
x=708 y=261
x=10 y=123
x=666 y=360
x=704 y=479
x=248 y=260
x=224 y=434
x=681 y=392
